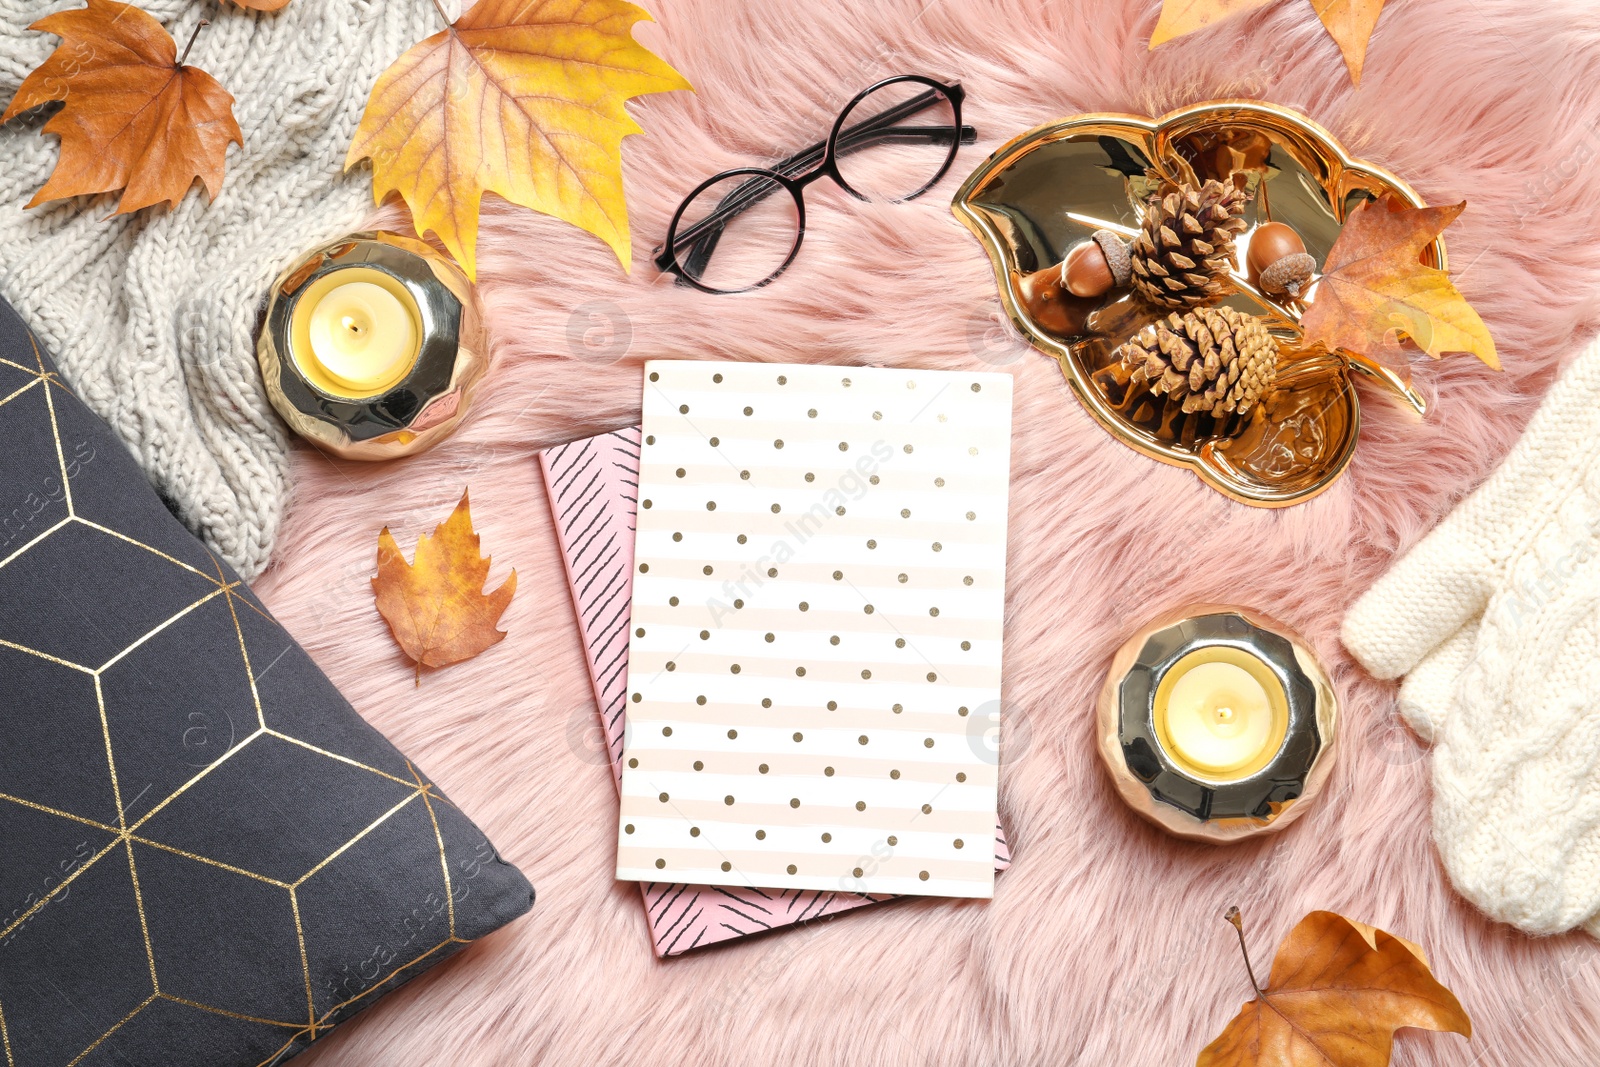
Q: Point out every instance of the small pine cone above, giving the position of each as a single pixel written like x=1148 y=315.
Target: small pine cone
x=1214 y=360
x=1185 y=248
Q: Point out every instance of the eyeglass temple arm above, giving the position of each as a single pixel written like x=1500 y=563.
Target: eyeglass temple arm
x=874 y=130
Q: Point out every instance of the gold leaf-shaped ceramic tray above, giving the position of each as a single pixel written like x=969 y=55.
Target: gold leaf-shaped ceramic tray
x=1047 y=190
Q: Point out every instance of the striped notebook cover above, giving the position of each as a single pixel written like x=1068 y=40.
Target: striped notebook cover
x=592 y=485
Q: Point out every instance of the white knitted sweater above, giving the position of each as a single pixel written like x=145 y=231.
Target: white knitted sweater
x=1494 y=618
x=152 y=316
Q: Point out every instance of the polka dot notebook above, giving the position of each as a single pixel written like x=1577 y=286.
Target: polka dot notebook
x=818 y=606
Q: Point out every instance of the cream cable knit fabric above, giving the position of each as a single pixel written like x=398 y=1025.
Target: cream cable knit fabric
x=1494 y=618
x=152 y=316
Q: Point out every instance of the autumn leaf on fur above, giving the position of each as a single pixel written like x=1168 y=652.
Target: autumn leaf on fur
x=1348 y=22
x=133 y=116
x=1337 y=993
x=1375 y=285
x=436 y=606
x=522 y=98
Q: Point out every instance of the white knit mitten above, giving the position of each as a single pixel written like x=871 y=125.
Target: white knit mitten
x=152 y=315
x=1494 y=618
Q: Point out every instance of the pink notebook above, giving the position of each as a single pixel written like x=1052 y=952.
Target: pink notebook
x=592 y=485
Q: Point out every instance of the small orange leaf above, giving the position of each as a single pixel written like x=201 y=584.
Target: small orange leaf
x=436 y=607
x=262 y=5
x=134 y=117
x=1349 y=22
x=1338 y=992
x=520 y=99
x=1375 y=286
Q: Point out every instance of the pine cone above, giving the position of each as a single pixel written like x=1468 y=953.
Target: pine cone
x=1216 y=360
x=1186 y=245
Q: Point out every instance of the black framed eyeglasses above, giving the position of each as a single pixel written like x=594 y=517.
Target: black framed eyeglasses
x=740 y=229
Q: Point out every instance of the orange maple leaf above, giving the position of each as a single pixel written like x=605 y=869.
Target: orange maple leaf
x=520 y=99
x=134 y=117
x=1337 y=993
x=436 y=606
x=1349 y=22
x=1375 y=286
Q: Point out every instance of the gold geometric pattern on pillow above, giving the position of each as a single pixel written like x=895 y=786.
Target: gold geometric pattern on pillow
x=125 y=830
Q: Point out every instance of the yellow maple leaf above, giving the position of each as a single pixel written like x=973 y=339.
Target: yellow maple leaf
x=1348 y=22
x=436 y=607
x=1375 y=286
x=522 y=98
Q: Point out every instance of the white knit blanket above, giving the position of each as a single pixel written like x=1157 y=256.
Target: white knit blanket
x=152 y=316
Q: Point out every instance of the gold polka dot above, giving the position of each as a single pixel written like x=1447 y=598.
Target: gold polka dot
x=961 y=711
x=628 y=828
x=726 y=866
x=923 y=875
x=694 y=831
x=734 y=669
x=866 y=674
x=663 y=798
x=633 y=761
x=732 y=734
x=644 y=568
x=867 y=609
x=971 y=515
x=845 y=382
x=899 y=642
x=666 y=731
x=834 y=640
x=728 y=800
x=761 y=835
x=794 y=802
x=771 y=638
x=908 y=450
x=972 y=451
x=833 y=705
x=711 y=505
x=878 y=415
x=844 y=446
x=893 y=840
x=927 y=809
x=639 y=632
x=937 y=547
x=660 y=864
x=650 y=440
x=895 y=775
x=744 y=475
x=959 y=843
x=766 y=702
x=904 y=578
x=749 y=411
x=699 y=765
x=798 y=736
x=763 y=768
x=638 y=697
x=898 y=708
x=683 y=409
x=826 y=838
x=932 y=677
x=934 y=612
x=793 y=869
x=861 y=805
x=741 y=539
x=655 y=377
x=837 y=575
x=812 y=413
x=705 y=635
x=716 y=377
x=772 y=572
x=804 y=606
x=701 y=700
x=778 y=443
x=828 y=771
x=646 y=503
x=872 y=543
x=927 y=742
x=706 y=568
x=856 y=872
x=873 y=479
x=715 y=441
x=976 y=387
x=738 y=603
x=905 y=513
x=800 y=672
x=939 y=482
x=861 y=740
x=961 y=776
x=810 y=477
x=783 y=379
x=776 y=508
x=680 y=472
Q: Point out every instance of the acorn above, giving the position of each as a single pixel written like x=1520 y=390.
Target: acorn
x=1096 y=265
x=1278 y=262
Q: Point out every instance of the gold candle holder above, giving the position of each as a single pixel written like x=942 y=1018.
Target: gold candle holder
x=372 y=346
x=1217 y=723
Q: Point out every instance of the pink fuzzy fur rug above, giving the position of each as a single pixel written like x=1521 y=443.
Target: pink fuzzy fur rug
x=1104 y=944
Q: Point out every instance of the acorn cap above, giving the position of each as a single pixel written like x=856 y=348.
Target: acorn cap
x=1116 y=252
x=1289 y=274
